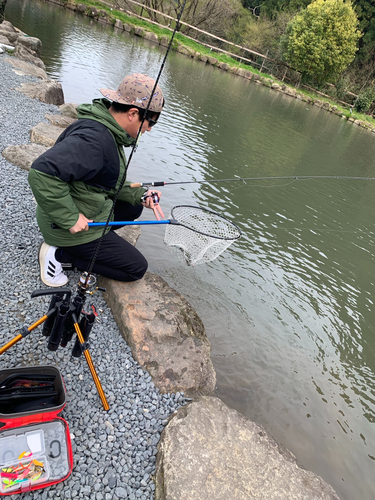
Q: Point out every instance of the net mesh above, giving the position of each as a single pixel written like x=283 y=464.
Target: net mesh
x=200 y=234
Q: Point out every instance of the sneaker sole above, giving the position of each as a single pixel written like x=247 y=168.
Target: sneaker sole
x=43 y=249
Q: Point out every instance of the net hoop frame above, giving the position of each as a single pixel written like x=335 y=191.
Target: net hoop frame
x=205 y=234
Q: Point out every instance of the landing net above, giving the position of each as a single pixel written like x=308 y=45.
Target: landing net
x=202 y=235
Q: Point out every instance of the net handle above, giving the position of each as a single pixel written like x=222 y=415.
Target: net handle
x=172 y=221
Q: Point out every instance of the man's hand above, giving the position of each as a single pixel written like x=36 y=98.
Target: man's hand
x=151 y=200
x=80 y=225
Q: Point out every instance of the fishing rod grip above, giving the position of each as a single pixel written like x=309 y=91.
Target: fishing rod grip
x=146 y=184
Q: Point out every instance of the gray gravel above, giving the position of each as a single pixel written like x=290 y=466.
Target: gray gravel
x=115 y=451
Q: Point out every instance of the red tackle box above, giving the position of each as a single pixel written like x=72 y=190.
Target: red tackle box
x=35 y=445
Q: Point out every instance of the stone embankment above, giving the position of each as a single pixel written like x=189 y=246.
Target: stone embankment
x=207 y=451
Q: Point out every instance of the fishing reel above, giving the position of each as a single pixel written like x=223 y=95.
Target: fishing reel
x=66 y=312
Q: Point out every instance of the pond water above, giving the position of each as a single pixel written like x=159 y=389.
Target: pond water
x=289 y=308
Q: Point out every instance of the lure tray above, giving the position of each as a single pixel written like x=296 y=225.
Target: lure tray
x=35 y=445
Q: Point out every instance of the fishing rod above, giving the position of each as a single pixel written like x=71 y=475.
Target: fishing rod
x=243 y=179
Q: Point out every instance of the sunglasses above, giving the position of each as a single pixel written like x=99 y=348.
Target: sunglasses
x=151 y=122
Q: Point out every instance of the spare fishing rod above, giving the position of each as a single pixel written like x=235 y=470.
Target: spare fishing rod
x=243 y=179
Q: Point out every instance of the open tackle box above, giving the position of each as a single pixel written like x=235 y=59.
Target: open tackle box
x=35 y=445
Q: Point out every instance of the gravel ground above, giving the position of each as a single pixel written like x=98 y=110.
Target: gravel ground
x=115 y=451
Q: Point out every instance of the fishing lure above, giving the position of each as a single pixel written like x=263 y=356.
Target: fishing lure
x=13 y=475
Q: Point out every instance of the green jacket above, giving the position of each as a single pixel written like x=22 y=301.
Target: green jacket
x=80 y=174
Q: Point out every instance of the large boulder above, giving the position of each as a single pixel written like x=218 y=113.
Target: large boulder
x=49 y=92
x=4 y=40
x=139 y=31
x=11 y=36
x=69 y=109
x=119 y=24
x=165 y=334
x=211 y=452
x=153 y=37
x=34 y=45
x=45 y=134
x=8 y=26
x=24 y=53
x=223 y=66
x=81 y=7
x=212 y=60
x=23 y=156
x=25 y=68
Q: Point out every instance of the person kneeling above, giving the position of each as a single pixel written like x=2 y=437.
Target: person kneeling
x=75 y=182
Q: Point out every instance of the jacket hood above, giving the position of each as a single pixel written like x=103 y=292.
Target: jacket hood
x=98 y=111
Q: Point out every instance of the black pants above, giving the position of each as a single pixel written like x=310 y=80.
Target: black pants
x=117 y=259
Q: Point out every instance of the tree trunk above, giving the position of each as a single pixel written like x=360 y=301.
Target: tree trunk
x=2 y=9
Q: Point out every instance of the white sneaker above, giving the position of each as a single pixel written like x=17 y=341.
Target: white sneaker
x=51 y=272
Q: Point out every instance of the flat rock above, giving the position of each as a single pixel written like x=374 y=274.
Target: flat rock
x=26 y=68
x=60 y=120
x=45 y=134
x=23 y=156
x=49 y=91
x=209 y=451
x=69 y=109
x=165 y=334
x=130 y=233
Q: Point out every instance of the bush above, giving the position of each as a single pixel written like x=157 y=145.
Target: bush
x=321 y=40
x=364 y=100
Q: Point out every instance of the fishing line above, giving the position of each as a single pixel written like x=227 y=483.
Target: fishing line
x=263 y=186
x=243 y=179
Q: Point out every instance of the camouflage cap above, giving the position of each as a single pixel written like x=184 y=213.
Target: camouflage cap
x=136 y=89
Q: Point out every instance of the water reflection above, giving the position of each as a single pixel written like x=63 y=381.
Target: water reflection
x=288 y=308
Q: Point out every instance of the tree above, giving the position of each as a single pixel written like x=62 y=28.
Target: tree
x=2 y=9
x=272 y=8
x=365 y=10
x=322 y=40
x=214 y=16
